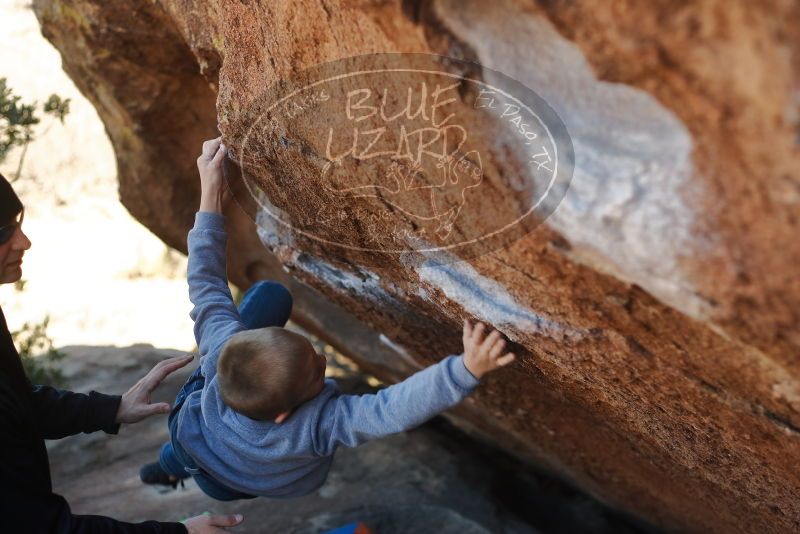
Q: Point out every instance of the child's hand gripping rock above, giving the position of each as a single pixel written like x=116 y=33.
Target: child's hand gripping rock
x=212 y=183
x=484 y=353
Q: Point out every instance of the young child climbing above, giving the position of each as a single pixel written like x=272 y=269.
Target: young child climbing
x=258 y=417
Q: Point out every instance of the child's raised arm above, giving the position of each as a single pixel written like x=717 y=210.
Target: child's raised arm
x=214 y=314
x=349 y=420
x=212 y=184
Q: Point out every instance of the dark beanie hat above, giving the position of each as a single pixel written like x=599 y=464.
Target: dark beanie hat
x=10 y=204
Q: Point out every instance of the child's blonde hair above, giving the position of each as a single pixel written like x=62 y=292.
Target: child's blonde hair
x=260 y=371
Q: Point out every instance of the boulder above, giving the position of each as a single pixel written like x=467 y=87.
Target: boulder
x=654 y=304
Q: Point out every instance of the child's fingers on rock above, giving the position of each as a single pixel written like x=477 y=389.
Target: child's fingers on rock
x=477 y=333
x=506 y=359
x=490 y=340
x=497 y=348
x=210 y=146
x=467 y=329
x=220 y=155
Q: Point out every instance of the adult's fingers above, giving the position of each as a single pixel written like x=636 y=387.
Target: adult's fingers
x=160 y=365
x=173 y=364
x=155 y=409
x=467 y=330
x=225 y=520
x=164 y=368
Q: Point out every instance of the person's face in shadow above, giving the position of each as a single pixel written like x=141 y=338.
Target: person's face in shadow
x=13 y=244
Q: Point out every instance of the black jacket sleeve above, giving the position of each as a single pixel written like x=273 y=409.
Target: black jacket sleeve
x=59 y=413
x=95 y=524
x=50 y=514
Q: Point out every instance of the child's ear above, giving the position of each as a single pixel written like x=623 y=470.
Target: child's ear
x=282 y=417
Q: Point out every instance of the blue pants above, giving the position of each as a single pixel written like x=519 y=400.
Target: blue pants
x=265 y=304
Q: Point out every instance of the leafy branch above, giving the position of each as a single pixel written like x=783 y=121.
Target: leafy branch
x=17 y=121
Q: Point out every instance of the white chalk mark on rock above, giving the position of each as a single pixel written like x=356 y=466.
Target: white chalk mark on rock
x=490 y=302
x=633 y=156
x=272 y=233
x=363 y=284
x=400 y=350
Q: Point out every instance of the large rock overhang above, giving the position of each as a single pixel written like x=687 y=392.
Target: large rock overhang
x=656 y=312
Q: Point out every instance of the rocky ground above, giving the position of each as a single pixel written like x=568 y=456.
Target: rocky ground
x=432 y=479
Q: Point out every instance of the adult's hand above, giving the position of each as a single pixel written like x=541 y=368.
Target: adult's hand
x=135 y=404
x=211 y=524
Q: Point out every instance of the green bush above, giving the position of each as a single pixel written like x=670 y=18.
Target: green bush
x=39 y=358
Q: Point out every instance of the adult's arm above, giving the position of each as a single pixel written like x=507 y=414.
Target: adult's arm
x=51 y=514
x=26 y=502
x=59 y=413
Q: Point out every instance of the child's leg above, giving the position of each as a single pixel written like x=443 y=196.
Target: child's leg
x=170 y=463
x=217 y=491
x=266 y=303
